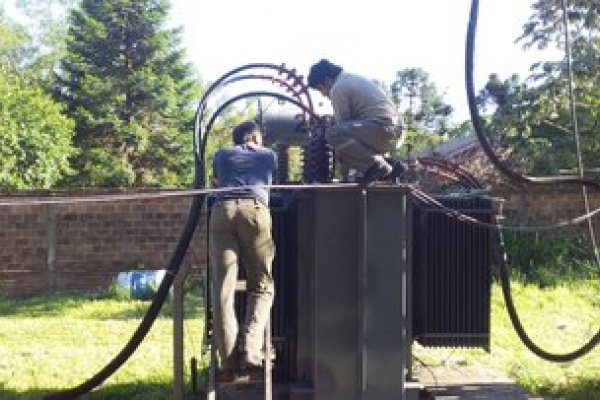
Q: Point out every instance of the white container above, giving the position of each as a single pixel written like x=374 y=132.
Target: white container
x=139 y=285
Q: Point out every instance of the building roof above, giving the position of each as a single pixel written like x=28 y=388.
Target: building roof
x=452 y=148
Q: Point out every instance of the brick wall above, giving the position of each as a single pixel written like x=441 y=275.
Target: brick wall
x=83 y=246
x=547 y=205
x=540 y=204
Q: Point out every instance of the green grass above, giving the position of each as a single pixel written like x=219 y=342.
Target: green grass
x=558 y=319
x=55 y=342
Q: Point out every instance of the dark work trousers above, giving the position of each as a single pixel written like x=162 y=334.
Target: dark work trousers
x=240 y=234
x=360 y=144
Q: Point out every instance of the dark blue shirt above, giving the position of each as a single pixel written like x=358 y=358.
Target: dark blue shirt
x=247 y=167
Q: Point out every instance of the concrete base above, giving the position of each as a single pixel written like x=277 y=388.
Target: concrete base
x=414 y=391
x=484 y=391
x=256 y=392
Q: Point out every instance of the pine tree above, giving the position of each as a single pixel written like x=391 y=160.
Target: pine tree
x=130 y=92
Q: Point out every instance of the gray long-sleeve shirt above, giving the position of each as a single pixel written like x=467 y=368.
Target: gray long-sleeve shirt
x=356 y=98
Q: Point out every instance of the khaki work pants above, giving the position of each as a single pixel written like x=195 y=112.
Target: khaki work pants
x=360 y=144
x=240 y=234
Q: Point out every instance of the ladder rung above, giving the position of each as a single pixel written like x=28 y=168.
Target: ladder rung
x=241 y=286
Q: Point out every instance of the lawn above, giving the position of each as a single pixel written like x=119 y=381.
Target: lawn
x=558 y=319
x=54 y=342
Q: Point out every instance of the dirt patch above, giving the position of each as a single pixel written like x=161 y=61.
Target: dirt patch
x=453 y=381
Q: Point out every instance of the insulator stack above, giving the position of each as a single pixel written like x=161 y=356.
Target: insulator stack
x=318 y=160
x=283 y=163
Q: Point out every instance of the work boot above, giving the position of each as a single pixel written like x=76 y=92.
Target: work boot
x=398 y=170
x=377 y=171
x=225 y=376
x=228 y=368
x=249 y=372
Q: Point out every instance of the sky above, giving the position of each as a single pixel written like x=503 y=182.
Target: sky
x=374 y=38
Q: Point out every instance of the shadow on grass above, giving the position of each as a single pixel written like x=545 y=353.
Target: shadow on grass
x=584 y=389
x=128 y=391
x=41 y=306
x=55 y=305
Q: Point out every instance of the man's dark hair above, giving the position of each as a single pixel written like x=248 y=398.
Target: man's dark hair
x=322 y=70
x=243 y=132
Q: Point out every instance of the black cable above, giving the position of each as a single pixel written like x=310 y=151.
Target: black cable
x=464 y=177
x=506 y=291
x=278 y=96
x=514 y=177
x=521 y=181
x=283 y=75
x=151 y=315
x=180 y=251
x=516 y=322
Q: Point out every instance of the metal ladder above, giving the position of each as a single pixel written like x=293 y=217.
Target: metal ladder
x=212 y=389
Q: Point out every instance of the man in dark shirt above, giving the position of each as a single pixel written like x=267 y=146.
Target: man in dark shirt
x=240 y=234
x=366 y=120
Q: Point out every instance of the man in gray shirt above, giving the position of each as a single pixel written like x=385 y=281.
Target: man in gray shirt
x=366 y=120
x=240 y=234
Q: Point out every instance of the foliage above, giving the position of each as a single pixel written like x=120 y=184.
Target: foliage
x=426 y=116
x=460 y=130
x=533 y=117
x=419 y=102
x=45 y=23
x=130 y=92
x=549 y=258
x=416 y=142
x=521 y=122
x=15 y=49
x=35 y=138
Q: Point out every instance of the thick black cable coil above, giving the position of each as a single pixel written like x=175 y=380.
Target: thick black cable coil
x=186 y=235
x=521 y=181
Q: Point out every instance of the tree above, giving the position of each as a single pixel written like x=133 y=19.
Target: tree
x=419 y=102
x=130 y=92
x=519 y=123
x=46 y=28
x=15 y=50
x=533 y=117
x=35 y=138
